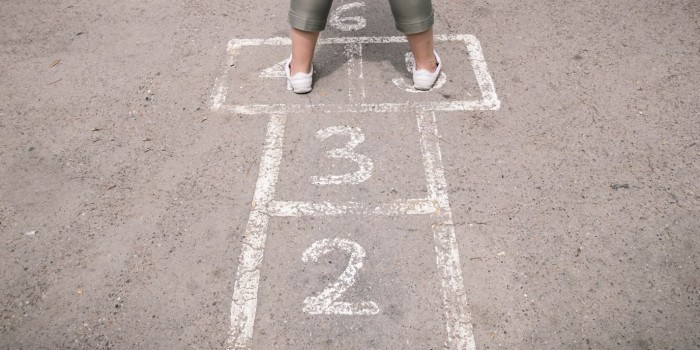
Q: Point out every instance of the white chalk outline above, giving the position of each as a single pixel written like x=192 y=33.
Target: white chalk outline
x=244 y=304
x=489 y=99
x=245 y=291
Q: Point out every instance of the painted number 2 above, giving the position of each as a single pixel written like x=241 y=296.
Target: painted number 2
x=327 y=302
x=365 y=163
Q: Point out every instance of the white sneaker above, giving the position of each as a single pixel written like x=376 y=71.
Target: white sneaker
x=300 y=83
x=424 y=79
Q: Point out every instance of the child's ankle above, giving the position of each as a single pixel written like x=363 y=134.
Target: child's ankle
x=431 y=66
x=299 y=68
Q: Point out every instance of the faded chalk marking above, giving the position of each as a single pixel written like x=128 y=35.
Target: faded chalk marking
x=364 y=163
x=356 y=85
x=488 y=101
x=218 y=97
x=276 y=71
x=452 y=106
x=220 y=92
x=245 y=290
x=483 y=78
x=459 y=328
x=237 y=43
x=347 y=24
x=326 y=303
x=394 y=208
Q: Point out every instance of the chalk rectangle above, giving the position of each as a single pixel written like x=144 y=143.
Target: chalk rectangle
x=253 y=78
x=391 y=143
x=399 y=274
x=447 y=273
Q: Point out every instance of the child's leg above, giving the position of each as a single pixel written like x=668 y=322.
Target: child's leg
x=307 y=18
x=415 y=19
x=423 y=47
x=303 y=45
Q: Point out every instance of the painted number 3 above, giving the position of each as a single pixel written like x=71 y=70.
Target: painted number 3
x=365 y=163
x=327 y=302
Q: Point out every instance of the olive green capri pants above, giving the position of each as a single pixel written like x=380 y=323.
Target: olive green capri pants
x=410 y=16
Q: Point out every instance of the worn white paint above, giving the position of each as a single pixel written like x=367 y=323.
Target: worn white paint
x=221 y=84
x=356 y=84
x=364 y=163
x=483 y=78
x=326 y=302
x=450 y=106
x=275 y=71
x=238 y=43
x=324 y=208
x=220 y=92
x=459 y=329
x=245 y=290
x=488 y=101
x=347 y=24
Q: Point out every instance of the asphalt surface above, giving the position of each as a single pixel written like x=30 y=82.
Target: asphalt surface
x=130 y=190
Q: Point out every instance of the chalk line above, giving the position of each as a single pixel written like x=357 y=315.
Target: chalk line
x=245 y=290
x=394 y=208
x=459 y=329
x=348 y=40
x=356 y=86
x=452 y=106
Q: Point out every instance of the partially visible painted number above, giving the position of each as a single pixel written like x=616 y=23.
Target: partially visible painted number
x=327 y=302
x=365 y=163
x=275 y=71
x=347 y=24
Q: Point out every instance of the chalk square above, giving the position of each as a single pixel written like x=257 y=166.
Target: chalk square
x=397 y=170
x=257 y=77
x=399 y=274
x=392 y=82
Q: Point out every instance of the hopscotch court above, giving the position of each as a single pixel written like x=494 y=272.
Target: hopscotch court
x=353 y=80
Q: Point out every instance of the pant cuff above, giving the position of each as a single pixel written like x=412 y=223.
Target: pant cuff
x=306 y=24
x=417 y=27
